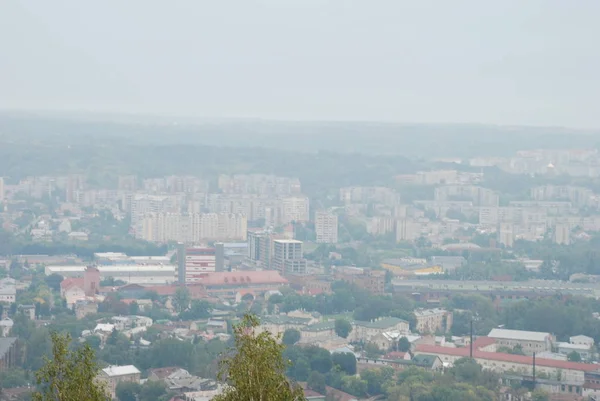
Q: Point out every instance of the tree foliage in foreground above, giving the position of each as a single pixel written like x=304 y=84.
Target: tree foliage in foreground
x=71 y=375
x=255 y=371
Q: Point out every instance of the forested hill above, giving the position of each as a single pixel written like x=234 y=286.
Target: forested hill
x=412 y=140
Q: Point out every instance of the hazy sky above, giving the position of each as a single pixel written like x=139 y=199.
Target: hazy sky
x=492 y=61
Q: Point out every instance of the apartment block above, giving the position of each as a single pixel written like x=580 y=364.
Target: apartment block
x=288 y=257
x=113 y=375
x=326 y=227
x=407 y=230
x=191 y=228
x=368 y=279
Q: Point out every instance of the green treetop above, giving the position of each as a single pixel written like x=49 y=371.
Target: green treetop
x=255 y=371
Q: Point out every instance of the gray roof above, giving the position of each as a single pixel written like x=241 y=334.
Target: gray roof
x=5 y=344
x=518 y=335
x=381 y=323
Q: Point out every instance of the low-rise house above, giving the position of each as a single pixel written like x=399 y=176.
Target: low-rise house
x=27 y=310
x=317 y=330
x=104 y=328
x=163 y=374
x=72 y=290
x=6 y=326
x=278 y=324
x=572 y=372
x=78 y=236
x=113 y=375
x=9 y=353
x=584 y=351
x=8 y=290
x=84 y=308
x=364 y=331
x=129 y=322
x=433 y=320
x=582 y=340
x=397 y=355
x=529 y=341
x=386 y=340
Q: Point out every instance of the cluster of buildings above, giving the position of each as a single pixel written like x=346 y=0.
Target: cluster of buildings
x=573 y=162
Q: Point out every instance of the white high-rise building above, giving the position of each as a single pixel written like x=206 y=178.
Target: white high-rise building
x=562 y=234
x=326 y=227
x=407 y=230
x=1 y=189
x=506 y=235
x=288 y=256
x=294 y=208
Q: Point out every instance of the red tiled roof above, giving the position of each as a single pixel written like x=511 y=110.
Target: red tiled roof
x=71 y=282
x=502 y=357
x=339 y=394
x=196 y=290
x=243 y=277
x=484 y=341
x=163 y=373
x=395 y=355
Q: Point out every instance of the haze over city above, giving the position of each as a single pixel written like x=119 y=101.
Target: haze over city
x=286 y=200
x=499 y=62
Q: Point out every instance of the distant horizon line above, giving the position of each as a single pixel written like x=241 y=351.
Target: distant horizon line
x=105 y=116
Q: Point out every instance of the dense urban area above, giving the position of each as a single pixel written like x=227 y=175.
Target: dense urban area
x=384 y=276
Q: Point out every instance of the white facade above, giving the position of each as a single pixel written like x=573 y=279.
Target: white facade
x=8 y=290
x=192 y=228
x=407 y=230
x=286 y=251
x=294 y=208
x=562 y=234
x=326 y=227
x=132 y=274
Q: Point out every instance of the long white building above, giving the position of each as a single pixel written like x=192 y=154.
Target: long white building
x=132 y=274
x=192 y=228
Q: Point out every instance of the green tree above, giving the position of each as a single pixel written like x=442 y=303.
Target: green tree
x=94 y=342
x=346 y=361
x=574 y=356
x=198 y=310
x=372 y=350
x=181 y=299
x=255 y=370
x=539 y=395
x=342 y=327
x=153 y=390
x=316 y=382
x=403 y=344
x=13 y=378
x=291 y=337
x=128 y=391
x=70 y=375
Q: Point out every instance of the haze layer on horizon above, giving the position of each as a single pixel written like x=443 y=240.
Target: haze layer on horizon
x=499 y=62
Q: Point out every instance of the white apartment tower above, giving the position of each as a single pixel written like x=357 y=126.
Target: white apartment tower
x=562 y=234
x=407 y=230
x=294 y=208
x=326 y=227
x=506 y=235
x=287 y=257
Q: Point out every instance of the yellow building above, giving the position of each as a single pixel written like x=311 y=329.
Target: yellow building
x=399 y=268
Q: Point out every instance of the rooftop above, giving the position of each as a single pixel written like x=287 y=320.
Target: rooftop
x=241 y=278
x=113 y=371
x=518 y=335
x=502 y=357
x=321 y=326
x=381 y=323
x=5 y=344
